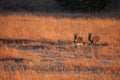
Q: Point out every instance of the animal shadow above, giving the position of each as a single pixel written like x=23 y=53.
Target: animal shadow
x=103 y=44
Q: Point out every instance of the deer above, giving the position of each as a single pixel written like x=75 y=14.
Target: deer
x=78 y=41
x=93 y=39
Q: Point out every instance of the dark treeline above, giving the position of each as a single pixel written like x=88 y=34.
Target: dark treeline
x=58 y=5
x=28 y=5
x=83 y=5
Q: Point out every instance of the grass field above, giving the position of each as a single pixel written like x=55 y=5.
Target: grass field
x=51 y=55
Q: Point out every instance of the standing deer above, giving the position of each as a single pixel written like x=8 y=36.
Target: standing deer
x=78 y=41
x=93 y=39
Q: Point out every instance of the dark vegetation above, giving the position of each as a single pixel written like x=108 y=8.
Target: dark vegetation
x=59 y=5
x=12 y=59
x=83 y=5
x=17 y=41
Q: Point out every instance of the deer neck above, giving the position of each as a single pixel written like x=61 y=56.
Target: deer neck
x=75 y=39
x=89 y=37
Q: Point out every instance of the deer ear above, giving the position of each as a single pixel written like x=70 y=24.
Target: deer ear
x=89 y=33
x=75 y=34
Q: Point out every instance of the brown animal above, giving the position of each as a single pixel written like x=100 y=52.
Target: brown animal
x=78 y=41
x=93 y=39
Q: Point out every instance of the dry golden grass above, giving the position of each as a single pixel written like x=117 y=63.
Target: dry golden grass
x=51 y=28
x=55 y=76
x=6 y=52
x=49 y=61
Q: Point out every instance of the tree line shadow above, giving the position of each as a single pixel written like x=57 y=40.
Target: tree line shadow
x=43 y=44
x=60 y=14
x=16 y=41
x=12 y=59
x=52 y=8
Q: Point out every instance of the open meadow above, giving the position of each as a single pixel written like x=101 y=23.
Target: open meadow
x=36 y=47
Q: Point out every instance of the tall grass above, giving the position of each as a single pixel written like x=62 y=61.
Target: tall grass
x=55 y=76
x=58 y=62
x=6 y=52
x=54 y=29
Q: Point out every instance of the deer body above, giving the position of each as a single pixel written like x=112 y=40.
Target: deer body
x=93 y=39
x=78 y=41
